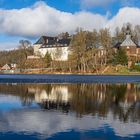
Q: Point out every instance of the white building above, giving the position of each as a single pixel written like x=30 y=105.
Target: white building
x=55 y=46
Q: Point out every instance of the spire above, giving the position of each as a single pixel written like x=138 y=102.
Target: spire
x=128 y=41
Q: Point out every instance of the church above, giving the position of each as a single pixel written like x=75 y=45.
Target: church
x=132 y=49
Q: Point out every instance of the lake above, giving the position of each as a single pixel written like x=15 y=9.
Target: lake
x=59 y=107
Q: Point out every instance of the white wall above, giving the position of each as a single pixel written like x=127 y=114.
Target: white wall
x=36 y=48
x=60 y=53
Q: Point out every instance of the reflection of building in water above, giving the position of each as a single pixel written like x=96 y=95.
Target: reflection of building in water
x=131 y=96
x=55 y=98
x=59 y=93
x=56 y=94
x=89 y=98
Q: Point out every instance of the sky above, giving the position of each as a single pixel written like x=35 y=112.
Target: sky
x=30 y=19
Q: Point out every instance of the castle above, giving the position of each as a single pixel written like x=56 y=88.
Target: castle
x=57 y=47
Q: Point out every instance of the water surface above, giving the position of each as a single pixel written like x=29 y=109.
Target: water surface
x=70 y=111
x=68 y=78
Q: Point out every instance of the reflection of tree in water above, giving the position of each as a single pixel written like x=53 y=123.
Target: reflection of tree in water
x=88 y=99
x=98 y=99
x=17 y=90
x=122 y=100
x=126 y=102
x=64 y=106
x=118 y=92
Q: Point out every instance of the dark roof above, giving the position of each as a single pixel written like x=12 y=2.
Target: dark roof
x=117 y=46
x=138 y=46
x=63 y=41
x=48 y=42
x=45 y=39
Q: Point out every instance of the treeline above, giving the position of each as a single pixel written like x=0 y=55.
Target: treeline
x=92 y=51
x=17 y=56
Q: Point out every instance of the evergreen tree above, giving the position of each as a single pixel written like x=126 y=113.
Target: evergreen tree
x=47 y=59
x=120 y=57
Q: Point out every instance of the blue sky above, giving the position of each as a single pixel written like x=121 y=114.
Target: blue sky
x=74 y=5
x=50 y=17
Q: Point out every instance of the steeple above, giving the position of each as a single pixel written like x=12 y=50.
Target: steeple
x=128 y=41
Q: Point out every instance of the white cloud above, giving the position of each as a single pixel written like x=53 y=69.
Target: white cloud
x=94 y=3
x=124 y=16
x=42 y=19
x=50 y=123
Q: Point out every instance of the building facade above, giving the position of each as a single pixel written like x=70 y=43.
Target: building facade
x=131 y=48
x=57 y=47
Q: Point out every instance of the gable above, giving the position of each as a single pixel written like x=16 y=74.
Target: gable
x=6 y=67
x=128 y=42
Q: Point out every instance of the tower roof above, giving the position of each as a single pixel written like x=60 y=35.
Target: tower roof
x=128 y=41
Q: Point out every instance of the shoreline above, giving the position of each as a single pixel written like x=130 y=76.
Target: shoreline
x=63 y=73
x=67 y=73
